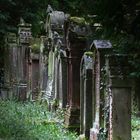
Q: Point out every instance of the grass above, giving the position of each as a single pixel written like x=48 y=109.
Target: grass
x=135 y=128
x=30 y=121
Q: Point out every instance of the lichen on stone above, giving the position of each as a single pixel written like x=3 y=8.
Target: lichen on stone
x=78 y=20
x=35 y=45
x=89 y=53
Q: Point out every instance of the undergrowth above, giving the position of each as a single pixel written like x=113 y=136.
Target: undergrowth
x=30 y=121
x=135 y=128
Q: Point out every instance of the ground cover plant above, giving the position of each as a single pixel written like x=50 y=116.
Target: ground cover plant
x=135 y=128
x=30 y=121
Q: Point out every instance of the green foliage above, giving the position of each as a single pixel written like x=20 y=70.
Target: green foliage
x=78 y=20
x=35 y=45
x=124 y=43
x=30 y=121
x=32 y=11
x=135 y=128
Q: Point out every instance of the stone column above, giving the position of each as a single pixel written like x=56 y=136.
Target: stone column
x=119 y=92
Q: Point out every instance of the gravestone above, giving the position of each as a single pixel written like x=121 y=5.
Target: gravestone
x=63 y=79
x=86 y=75
x=24 y=40
x=100 y=48
x=10 y=63
x=76 y=43
x=54 y=33
x=35 y=75
x=43 y=66
x=119 y=92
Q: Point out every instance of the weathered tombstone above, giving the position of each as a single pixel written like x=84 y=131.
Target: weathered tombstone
x=24 y=32
x=63 y=78
x=57 y=69
x=76 y=43
x=118 y=97
x=10 y=63
x=100 y=48
x=35 y=75
x=43 y=66
x=86 y=75
x=54 y=30
x=36 y=68
x=55 y=21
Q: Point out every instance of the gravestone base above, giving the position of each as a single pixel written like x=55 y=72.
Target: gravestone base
x=72 y=120
x=94 y=132
x=22 y=92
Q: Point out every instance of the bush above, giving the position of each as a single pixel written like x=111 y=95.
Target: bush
x=30 y=121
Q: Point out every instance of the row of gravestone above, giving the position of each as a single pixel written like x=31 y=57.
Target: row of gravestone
x=21 y=66
x=89 y=81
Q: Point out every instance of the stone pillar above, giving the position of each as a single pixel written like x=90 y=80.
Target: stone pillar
x=100 y=48
x=86 y=94
x=76 y=45
x=119 y=92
